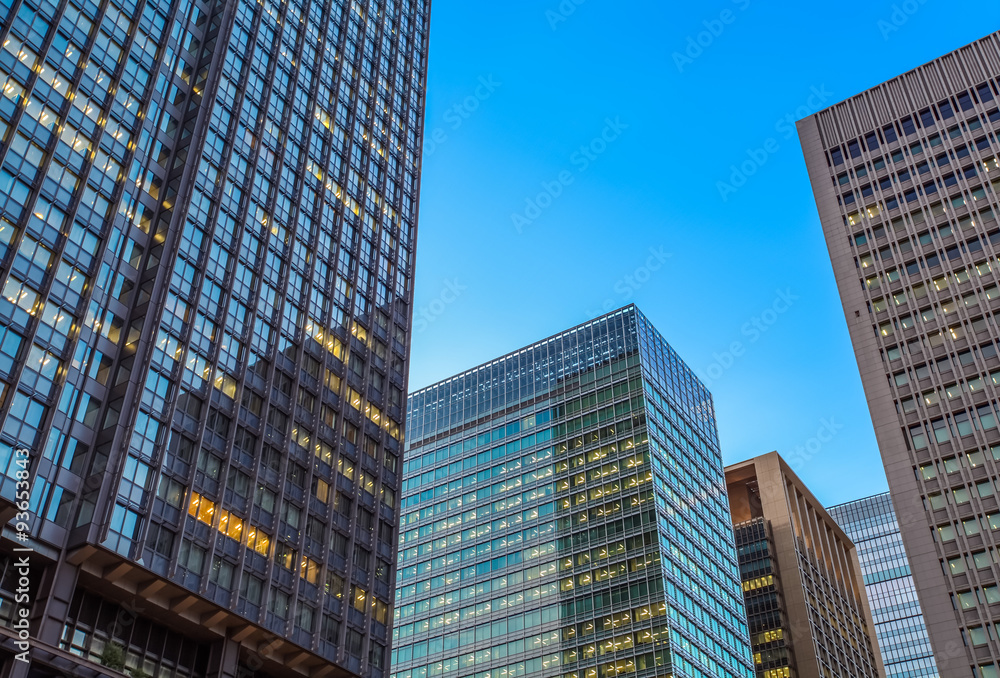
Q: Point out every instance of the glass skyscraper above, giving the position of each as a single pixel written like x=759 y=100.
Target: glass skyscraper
x=207 y=220
x=899 y=623
x=906 y=177
x=564 y=514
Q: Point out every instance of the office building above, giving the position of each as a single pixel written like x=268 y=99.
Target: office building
x=563 y=515
x=207 y=223
x=905 y=177
x=807 y=611
x=899 y=623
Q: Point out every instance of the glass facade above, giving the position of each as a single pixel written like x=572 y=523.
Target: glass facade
x=872 y=526
x=564 y=514
x=767 y=619
x=207 y=222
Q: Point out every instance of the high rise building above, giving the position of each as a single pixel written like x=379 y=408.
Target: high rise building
x=563 y=515
x=207 y=221
x=807 y=611
x=899 y=623
x=906 y=176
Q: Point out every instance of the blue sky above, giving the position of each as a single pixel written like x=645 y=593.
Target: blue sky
x=578 y=158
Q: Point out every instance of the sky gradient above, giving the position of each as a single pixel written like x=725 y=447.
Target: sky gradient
x=579 y=157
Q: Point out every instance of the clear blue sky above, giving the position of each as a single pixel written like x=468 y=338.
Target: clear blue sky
x=515 y=90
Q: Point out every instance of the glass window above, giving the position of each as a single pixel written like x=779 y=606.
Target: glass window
x=982 y=559
x=963 y=424
x=987 y=419
x=967 y=600
x=941 y=431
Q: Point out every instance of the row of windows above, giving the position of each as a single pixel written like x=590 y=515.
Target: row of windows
x=909 y=125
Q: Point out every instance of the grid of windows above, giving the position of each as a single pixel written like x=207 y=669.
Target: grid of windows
x=561 y=517
x=909 y=203
x=899 y=623
x=207 y=228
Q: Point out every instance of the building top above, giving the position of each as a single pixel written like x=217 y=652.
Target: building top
x=531 y=373
x=953 y=73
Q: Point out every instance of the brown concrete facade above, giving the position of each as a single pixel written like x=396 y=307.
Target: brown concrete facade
x=806 y=603
x=905 y=180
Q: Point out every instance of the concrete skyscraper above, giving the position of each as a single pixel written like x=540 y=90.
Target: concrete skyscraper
x=807 y=611
x=899 y=622
x=207 y=220
x=906 y=177
x=564 y=514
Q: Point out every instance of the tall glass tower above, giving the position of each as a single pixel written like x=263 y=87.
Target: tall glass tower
x=872 y=525
x=564 y=514
x=207 y=221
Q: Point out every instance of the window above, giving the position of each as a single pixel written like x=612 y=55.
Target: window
x=222 y=573
x=251 y=588
x=987 y=419
x=278 y=603
x=941 y=431
x=191 y=557
x=979 y=635
x=956 y=565
x=967 y=600
x=963 y=424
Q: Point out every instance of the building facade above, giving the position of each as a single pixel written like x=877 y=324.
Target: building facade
x=207 y=222
x=906 y=177
x=563 y=515
x=899 y=623
x=807 y=611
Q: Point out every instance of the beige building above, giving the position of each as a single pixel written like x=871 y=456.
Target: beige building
x=906 y=177
x=806 y=605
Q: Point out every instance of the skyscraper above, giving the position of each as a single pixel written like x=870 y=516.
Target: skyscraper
x=899 y=623
x=906 y=177
x=207 y=216
x=564 y=514
x=807 y=611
